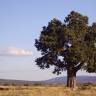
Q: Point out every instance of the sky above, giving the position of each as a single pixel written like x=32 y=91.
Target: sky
x=21 y=22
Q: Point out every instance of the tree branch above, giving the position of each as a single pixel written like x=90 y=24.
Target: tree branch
x=78 y=67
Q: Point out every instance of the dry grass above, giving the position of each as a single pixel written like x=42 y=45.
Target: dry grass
x=46 y=91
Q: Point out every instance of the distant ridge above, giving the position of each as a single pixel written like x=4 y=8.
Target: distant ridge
x=16 y=82
x=57 y=80
x=80 y=79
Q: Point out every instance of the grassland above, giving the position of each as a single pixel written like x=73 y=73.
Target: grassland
x=42 y=90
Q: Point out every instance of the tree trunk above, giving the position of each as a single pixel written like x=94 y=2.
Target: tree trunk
x=71 y=78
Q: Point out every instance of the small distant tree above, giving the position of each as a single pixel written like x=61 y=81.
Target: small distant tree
x=68 y=46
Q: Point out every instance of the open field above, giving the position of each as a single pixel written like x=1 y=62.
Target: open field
x=47 y=90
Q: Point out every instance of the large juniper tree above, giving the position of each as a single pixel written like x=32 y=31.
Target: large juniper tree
x=90 y=39
x=68 y=46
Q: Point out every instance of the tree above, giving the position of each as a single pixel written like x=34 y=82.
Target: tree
x=65 y=46
x=90 y=39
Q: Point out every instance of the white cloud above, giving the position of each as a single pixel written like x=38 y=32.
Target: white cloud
x=13 y=51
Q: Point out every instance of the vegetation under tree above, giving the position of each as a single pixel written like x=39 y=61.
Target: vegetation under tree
x=68 y=46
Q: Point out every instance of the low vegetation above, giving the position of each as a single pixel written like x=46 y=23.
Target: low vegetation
x=48 y=90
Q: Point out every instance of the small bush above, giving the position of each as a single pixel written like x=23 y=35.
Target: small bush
x=37 y=84
x=26 y=84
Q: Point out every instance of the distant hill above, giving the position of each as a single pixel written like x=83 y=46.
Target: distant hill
x=57 y=80
x=80 y=79
x=15 y=82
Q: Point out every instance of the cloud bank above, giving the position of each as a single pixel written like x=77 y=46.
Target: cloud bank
x=13 y=51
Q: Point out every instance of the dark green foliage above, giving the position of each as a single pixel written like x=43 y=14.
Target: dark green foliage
x=72 y=40
x=91 y=43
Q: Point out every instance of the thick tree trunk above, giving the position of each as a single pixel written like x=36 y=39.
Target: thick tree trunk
x=71 y=79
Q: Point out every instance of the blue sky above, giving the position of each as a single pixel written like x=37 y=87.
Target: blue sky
x=20 y=24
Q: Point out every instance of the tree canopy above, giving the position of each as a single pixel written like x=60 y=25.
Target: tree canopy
x=68 y=45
